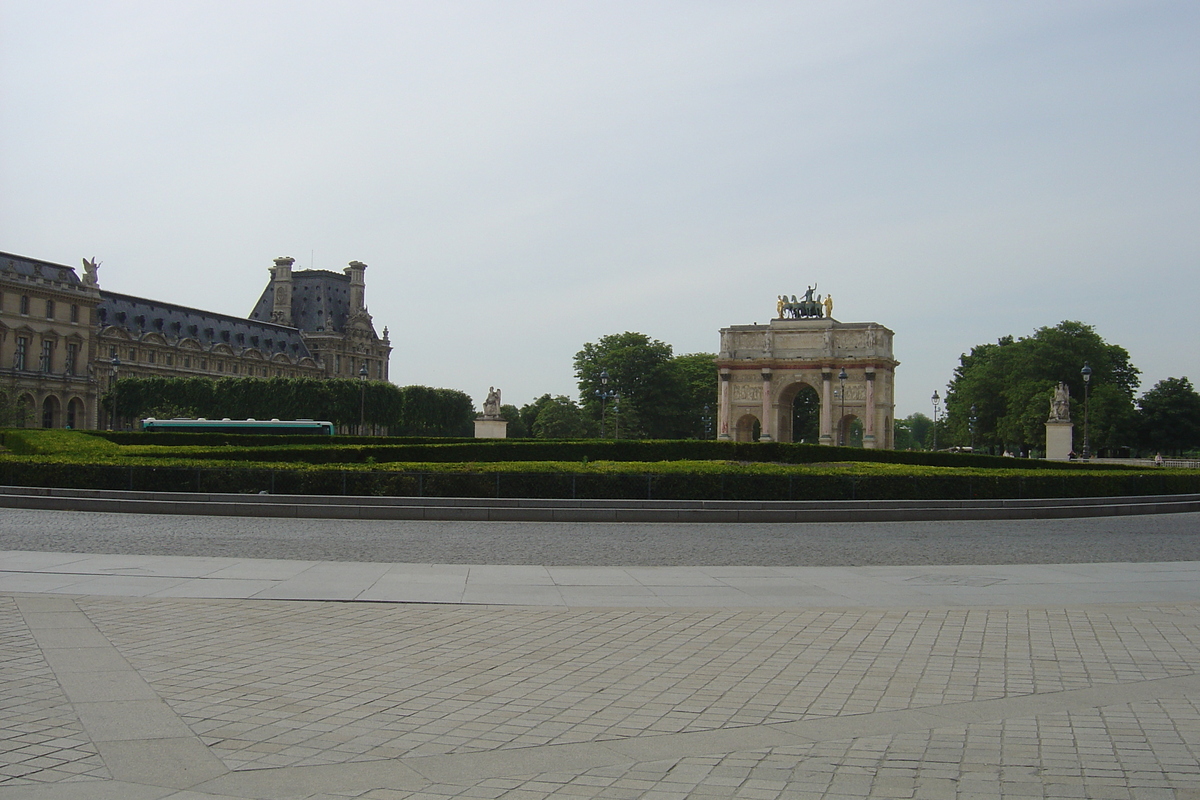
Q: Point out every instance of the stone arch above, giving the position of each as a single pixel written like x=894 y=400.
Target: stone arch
x=747 y=429
x=848 y=431
x=803 y=398
x=51 y=408
x=76 y=413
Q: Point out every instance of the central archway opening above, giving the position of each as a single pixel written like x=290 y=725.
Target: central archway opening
x=806 y=416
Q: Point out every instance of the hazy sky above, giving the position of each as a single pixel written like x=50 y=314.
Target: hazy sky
x=525 y=177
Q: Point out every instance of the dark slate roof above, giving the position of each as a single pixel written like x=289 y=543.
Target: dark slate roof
x=139 y=315
x=316 y=293
x=34 y=267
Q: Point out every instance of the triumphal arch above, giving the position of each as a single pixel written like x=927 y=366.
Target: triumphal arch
x=802 y=361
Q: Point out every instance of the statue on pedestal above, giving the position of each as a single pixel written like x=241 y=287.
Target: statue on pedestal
x=1060 y=405
x=491 y=406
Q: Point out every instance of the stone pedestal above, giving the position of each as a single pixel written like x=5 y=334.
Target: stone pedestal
x=486 y=428
x=1059 y=439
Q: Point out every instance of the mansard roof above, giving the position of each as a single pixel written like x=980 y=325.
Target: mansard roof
x=11 y=263
x=317 y=295
x=138 y=315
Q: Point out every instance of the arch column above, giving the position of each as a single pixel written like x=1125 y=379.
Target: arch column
x=869 y=414
x=723 y=408
x=766 y=429
x=826 y=407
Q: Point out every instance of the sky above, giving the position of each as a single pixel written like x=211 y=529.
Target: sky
x=526 y=177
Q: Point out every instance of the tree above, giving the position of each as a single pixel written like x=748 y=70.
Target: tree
x=1168 y=417
x=638 y=370
x=13 y=413
x=1010 y=384
x=695 y=389
x=517 y=429
x=913 y=432
x=562 y=419
x=661 y=396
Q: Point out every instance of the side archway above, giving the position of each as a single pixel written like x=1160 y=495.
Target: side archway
x=748 y=429
x=75 y=413
x=50 y=412
x=849 y=431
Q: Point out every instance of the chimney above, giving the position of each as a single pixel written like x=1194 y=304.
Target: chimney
x=281 y=284
x=358 y=286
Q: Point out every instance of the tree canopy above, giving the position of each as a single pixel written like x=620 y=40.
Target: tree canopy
x=661 y=396
x=1009 y=384
x=1169 y=417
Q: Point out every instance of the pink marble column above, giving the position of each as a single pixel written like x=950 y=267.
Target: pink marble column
x=826 y=407
x=723 y=408
x=766 y=433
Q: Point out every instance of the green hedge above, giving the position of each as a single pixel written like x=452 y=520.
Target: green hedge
x=361 y=450
x=640 y=481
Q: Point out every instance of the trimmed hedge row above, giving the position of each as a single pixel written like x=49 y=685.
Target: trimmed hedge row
x=361 y=450
x=633 y=485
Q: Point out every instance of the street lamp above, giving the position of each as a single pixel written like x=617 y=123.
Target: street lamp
x=605 y=395
x=936 y=400
x=842 y=419
x=616 y=415
x=707 y=421
x=112 y=385
x=1087 y=377
x=972 y=420
x=362 y=398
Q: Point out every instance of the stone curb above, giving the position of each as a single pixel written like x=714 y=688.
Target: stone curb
x=538 y=510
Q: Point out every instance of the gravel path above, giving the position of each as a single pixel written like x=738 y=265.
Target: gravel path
x=1164 y=537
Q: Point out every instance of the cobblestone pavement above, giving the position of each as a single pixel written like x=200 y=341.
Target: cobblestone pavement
x=188 y=699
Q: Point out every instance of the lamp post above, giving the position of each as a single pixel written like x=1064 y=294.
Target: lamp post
x=936 y=400
x=842 y=419
x=972 y=420
x=707 y=421
x=616 y=415
x=362 y=398
x=114 y=422
x=1086 y=372
x=605 y=395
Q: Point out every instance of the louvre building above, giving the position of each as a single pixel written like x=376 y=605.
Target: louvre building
x=63 y=339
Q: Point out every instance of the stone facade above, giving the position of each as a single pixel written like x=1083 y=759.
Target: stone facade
x=330 y=311
x=764 y=367
x=48 y=341
x=63 y=340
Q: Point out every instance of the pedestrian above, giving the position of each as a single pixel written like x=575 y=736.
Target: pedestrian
x=1158 y=461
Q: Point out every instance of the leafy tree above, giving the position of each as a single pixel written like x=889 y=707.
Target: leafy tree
x=530 y=411
x=1168 y=417
x=661 y=395
x=1010 y=384
x=638 y=369
x=562 y=419
x=914 y=432
x=517 y=429
x=13 y=412
x=695 y=379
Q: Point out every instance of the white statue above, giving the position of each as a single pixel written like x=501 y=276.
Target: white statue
x=1060 y=406
x=491 y=406
x=89 y=272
